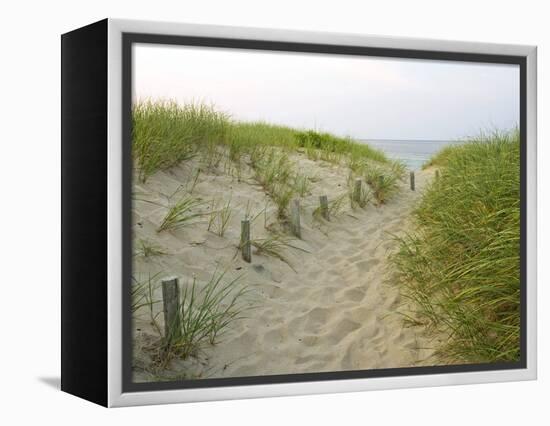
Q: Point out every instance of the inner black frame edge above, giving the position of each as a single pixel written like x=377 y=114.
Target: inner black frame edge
x=128 y=39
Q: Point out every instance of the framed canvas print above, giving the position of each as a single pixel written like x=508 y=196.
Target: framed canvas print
x=251 y=212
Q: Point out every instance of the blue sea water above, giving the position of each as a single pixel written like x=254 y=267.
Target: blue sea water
x=414 y=153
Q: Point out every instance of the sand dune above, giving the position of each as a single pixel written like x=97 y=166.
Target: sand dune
x=337 y=310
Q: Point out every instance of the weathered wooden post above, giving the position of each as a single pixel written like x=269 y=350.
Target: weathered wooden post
x=323 y=201
x=171 y=308
x=295 y=218
x=357 y=191
x=437 y=175
x=246 y=248
x=412 y=181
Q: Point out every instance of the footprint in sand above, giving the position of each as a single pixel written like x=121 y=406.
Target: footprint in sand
x=355 y=294
x=274 y=337
x=316 y=318
x=335 y=260
x=246 y=339
x=324 y=295
x=309 y=340
x=314 y=274
x=311 y=321
x=244 y=370
x=305 y=359
x=366 y=265
x=335 y=272
x=351 y=251
x=370 y=330
x=342 y=330
x=388 y=245
x=392 y=301
x=273 y=291
x=353 y=358
x=371 y=230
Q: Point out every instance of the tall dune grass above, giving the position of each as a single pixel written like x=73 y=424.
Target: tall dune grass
x=460 y=266
x=166 y=133
x=383 y=182
x=245 y=136
x=337 y=146
x=206 y=312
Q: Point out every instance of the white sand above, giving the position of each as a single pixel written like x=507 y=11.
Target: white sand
x=338 y=311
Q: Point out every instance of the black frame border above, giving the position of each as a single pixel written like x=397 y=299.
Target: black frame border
x=84 y=148
x=128 y=39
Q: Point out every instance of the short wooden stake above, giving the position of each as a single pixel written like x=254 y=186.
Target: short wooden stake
x=412 y=181
x=171 y=308
x=295 y=218
x=437 y=175
x=357 y=190
x=246 y=248
x=323 y=201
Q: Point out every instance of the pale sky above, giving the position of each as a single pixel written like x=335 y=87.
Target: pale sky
x=361 y=97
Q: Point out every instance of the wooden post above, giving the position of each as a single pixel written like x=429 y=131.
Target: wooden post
x=357 y=191
x=171 y=308
x=295 y=218
x=437 y=175
x=412 y=181
x=380 y=181
x=246 y=248
x=323 y=201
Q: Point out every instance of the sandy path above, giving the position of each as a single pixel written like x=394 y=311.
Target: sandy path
x=336 y=312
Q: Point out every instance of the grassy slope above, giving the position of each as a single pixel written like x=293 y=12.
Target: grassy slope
x=165 y=134
x=461 y=265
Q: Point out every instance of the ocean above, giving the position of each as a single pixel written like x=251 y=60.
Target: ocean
x=414 y=153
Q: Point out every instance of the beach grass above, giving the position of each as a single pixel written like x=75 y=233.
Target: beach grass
x=358 y=198
x=244 y=137
x=332 y=148
x=383 y=183
x=335 y=208
x=276 y=246
x=219 y=217
x=143 y=297
x=275 y=173
x=460 y=266
x=206 y=311
x=147 y=249
x=181 y=214
x=301 y=184
x=165 y=133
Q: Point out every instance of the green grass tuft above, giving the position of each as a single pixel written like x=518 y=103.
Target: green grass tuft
x=206 y=312
x=220 y=217
x=146 y=249
x=165 y=133
x=383 y=182
x=181 y=214
x=332 y=148
x=276 y=246
x=461 y=264
x=301 y=184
